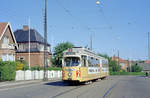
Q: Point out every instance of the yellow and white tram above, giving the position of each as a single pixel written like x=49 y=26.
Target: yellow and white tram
x=81 y=65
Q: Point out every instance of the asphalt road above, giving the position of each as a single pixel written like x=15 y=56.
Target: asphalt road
x=112 y=87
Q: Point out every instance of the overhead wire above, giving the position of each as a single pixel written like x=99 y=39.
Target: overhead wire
x=100 y=10
x=70 y=14
x=91 y=30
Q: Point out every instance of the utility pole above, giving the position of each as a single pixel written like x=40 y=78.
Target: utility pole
x=118 y=64
x=29 y=47
x=45 y=43
x=148 y=46
x=148 y=49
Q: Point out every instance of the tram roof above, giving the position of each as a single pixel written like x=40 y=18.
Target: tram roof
x=84 y=51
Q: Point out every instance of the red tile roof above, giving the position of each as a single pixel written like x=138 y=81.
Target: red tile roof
x=2 y=27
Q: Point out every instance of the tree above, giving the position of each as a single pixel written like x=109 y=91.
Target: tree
x=136 y=68
x=58 y=52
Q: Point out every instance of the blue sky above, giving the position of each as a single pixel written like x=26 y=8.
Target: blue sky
x=114 y=24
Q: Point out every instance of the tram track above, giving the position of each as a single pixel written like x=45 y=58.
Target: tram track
x=67 y=91
x=105 y=87
x=72 y=90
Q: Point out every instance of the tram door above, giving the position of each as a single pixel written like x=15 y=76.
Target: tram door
x=84 y=67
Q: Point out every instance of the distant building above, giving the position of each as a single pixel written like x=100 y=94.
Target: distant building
x=36 y=47
x=147 y=61
x=124 y=63
x=8 y=43
x=145 y=67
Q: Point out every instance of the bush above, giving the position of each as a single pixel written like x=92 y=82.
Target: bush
x=128 y=73
x=25 y=67
x=136 y=68
x=36 y=68
x=19 y=65
x=7 y=70
x=55 y=68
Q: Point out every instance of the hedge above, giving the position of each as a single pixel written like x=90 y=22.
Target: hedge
x=7 y=70
x=55 y=68
x=128 y=73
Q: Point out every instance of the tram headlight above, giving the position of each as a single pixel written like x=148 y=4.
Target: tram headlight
x=69 y=74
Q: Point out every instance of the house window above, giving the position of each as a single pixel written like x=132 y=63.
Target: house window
x=6 y=40
x=4 y=57
x=21 y=58
x=10 y=57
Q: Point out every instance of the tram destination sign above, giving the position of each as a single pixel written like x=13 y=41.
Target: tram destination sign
x=70 y=53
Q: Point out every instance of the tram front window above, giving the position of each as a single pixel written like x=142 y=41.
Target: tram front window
x=71 y=61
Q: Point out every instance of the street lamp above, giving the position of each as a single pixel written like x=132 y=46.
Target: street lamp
x=98 y=2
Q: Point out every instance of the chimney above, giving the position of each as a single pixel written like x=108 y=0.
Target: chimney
x=25 y=27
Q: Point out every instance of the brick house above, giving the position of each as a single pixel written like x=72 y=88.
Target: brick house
x=147 y=61
x=36 y=47
x=124 y=63
x=8 y=43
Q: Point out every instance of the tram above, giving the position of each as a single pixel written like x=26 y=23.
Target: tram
x=82 y=65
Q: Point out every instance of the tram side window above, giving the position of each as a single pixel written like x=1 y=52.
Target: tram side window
x=104 y=63
x=93 y=62
x=84 y=58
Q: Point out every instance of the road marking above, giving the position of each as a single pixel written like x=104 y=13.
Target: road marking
x=110 y=89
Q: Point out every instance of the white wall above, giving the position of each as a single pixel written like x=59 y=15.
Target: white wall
x=35 y=75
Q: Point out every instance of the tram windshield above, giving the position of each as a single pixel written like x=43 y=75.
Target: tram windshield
x=71 y=61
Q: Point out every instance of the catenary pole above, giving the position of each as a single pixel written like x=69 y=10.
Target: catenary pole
x=45 y=43
x=29 y=46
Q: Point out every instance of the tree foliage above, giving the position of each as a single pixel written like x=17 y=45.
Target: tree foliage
x=136 y=68
x=58 y=52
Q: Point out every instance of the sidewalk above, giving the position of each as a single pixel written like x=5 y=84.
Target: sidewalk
x=18 y=83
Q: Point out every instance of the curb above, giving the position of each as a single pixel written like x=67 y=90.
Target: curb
x=18 y=83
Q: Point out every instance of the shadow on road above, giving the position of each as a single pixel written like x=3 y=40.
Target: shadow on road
x=61 y=83
x=56 y=83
